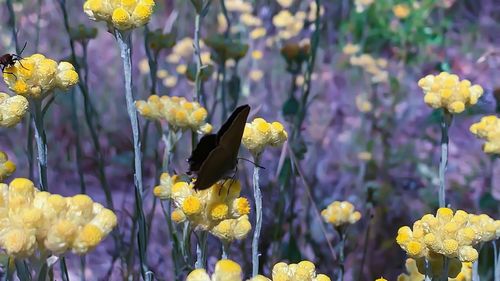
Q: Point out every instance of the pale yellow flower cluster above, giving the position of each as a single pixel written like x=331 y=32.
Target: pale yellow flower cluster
x=123 y=15
x=176 y=111
x=340 y=213
x=449 y=92
x=362 y=5
x=363 y=104
x=401 y=11
x=448 y=234
x=303 y=271
x=259 y=134
x=239 y=6
x=218 y=209
x=225 y=270
x=351 y=49
x=32 y=220
x=7 y=167
x=36 y=76
x=489 y=130
x=12 y=109
x=377 y=68
x=459 y=271
x=228 y=270
x=289 y=25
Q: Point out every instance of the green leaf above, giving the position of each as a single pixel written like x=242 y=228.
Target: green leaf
x=290 y=107
x=291 y=251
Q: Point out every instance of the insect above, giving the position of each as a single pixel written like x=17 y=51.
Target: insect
x=216 y=155
x=9 y=60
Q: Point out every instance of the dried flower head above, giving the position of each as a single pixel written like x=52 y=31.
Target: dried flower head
x=449 y=92
x=7 y=167
x=448 y=234
x=12 y=110
x=36 y=76
x=457 y=271
x=340 y=213
x=225 y=270
x=259 y=134
x=122 y=15
x=33 y=220
x=489 y=130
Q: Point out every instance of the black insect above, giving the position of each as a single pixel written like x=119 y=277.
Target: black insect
x=9 y=60
x=216 y=155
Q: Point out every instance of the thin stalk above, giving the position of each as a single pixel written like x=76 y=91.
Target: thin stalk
x=225 y=249
x=201 y=250
x=186 y=242
x=83 y=265
x=258 y=218
x=443 y=163
x=226 y=16
x=444 y=276
x=342 y=235
x=124 y=42
x=64 y=269
x=496 y=265
x=12 y=23
x=41 y=142
x=22 y=270
x=197 y=54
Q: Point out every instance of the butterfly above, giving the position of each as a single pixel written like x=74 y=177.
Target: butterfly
x=216 y=155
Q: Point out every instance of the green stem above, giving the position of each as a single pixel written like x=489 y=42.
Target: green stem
x=22 y=269
x=341 y=253
x=197 y=81
x=443 y=163
x=41 y=142
x=258 y=217
x=124 y=42
x=12 y=23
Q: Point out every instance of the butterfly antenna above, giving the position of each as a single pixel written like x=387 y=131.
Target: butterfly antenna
x=255 y=164
x=22 y=50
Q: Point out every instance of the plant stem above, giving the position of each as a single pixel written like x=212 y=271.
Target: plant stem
x=496 y=265
x=201 y=250
x=64 y=269
x=258 y=217
x=41 y=142
x=124 y=42
x=342 y=235
x=197 y=81
x=78 y=145
x=443 y=163
x=225 y=250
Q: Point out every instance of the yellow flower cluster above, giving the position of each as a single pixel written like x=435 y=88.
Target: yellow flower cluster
x=362 y=5
x=225 y=270
x=36 y=76
x=176 y=111
x=449 y=92
x=259 y=134
x=218 y=209
x=32 y=220
x=12 y=109
x=377 y=68
x=123 y=15
x=340 y=213
x=488 y=129
x=401 y=11
x=289 y=25
x=7 y=167
x=460 y=271
x=303 y=271
x=448 y=234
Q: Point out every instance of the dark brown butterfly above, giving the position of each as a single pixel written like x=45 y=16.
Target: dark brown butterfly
x=216 y=155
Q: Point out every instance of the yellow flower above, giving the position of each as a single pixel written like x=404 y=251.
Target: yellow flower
x=401 y=11
x=122 y=15
x=304 y=271
x=449 y=92
x=489 y=130
x=340 y=213
x=285 y=3
x=7 y=167
x=198 y=275
x=259 y=133
x=257 y=33
x=12 y=110
x=256 y=75
x=232 y=229
x=350 y=49
x=36 y=76
x=37 y=220
x=448 y=234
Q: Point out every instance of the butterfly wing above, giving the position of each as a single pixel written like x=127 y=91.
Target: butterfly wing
x=214 y=168
x=206 y=144
x=244 y=109
x=231 y=138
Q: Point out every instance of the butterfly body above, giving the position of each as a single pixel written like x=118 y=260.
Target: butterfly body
x=215 y=156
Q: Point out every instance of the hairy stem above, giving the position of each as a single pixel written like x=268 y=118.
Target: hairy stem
x=201 y=250
x=41 y=142
x=124 y=42
x=258 y=218
x=443 y=163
